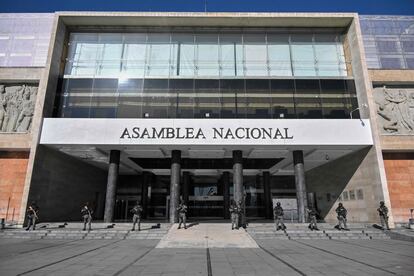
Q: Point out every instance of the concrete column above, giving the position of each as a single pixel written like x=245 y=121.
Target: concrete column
x=226 y=194
x=113 y=171
x=186 y=186
x=238 y=175
x=300 y=184
x=175 y=184
x=147 y=176
x=267 y=195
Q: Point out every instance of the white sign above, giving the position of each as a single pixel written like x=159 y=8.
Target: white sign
x=60 y=131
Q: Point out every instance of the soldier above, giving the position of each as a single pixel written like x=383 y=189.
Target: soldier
x=278 y=216
x=137 y=211
x=383 y=213
x=182 y=217
x=32 y=216
x=312 y=219
x=86 y=213
x=341 y=212
x=234 y=213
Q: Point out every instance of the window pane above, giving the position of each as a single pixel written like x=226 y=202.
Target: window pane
x=257 y=99
x=282 y=92
x=76 y=101
x=231 y=55
x=333 y=99
x=134 y=55
x=183 y=89
x=307 y=99
x=207 y=55
x=208 y=100
x=186 y=52
x=155 y=98
x=279 y=55
x=130 y=102
x=104 y=98
x=229 y=90
x=255 y=55
x=159 y=47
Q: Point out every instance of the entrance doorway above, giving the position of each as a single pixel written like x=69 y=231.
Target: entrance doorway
x=123 y=206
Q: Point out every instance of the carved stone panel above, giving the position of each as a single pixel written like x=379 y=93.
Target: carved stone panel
x=395 y=110
x=17 y=104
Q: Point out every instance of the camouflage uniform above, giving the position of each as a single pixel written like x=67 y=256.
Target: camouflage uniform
x=383 y=213
x=278 y=216
x=136 y=219
x=182 y=215
x=86 y=213
x=234 y=212
x=341 y=212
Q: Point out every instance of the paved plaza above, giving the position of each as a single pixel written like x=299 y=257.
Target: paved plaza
x=180 y=252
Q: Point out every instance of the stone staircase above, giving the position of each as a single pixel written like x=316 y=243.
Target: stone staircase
x=296 y=231
x=98 y=233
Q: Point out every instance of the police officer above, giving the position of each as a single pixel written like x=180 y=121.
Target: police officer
x=32 y=216
x=234 y=213
x=341 y=216
x=278 y=216
x=182 y=214
x=136 y=219
x=86 y=213
x=383 y=214
x=312 y=218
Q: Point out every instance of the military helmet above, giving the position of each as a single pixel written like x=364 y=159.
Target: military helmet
x=340 y=204
x=278 y=204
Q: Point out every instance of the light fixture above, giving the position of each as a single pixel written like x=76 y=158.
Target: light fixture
x=282 y=115
x=146 y=115
x=207 y=115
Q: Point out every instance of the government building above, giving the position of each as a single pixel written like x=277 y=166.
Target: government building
x=111 y=108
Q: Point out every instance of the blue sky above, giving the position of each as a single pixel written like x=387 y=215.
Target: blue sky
x=397 y=7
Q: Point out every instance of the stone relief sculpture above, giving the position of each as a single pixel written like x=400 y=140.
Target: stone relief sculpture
x=17 y=104
x=395 y=110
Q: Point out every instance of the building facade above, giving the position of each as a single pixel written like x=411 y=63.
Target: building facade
x=207 y=108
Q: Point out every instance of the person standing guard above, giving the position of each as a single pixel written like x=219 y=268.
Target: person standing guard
x=136 y=219
x=32 y=216
x=278 y=217
x=383 y=214
x=86 y=213
x=312 y=219
x=182 y=214
x=234 y=214
x=341 y=216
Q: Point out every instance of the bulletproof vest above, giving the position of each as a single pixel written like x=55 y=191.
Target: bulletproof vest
x=278 y=211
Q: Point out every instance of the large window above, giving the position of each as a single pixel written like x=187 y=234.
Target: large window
x=207 y=98
x=176 y=55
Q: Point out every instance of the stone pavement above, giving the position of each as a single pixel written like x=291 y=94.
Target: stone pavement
x=146 y=257
x=207 y=235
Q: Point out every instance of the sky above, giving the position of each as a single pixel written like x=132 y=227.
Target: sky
x=380 y=7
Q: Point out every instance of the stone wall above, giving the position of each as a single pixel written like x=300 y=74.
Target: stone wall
x=353 y=180
x=13 y=167
x=399 y=168
x=61 y=184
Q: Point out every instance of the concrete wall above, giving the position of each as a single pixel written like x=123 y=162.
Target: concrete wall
x=60 y=184
x=349 y=173
x=13 y=167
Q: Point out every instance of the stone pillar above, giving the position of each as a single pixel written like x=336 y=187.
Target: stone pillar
x=226 y=194
x=147 y=176
x=267 y=195
x=300 y=184
x=175 y=184
x=186 y=186
x=238 y=175
x=113 y=171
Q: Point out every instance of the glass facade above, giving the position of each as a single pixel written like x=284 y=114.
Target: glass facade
x=191 y=55
x=207 y=98
x=24 y=39
x=206 y=75
x=388 y=41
